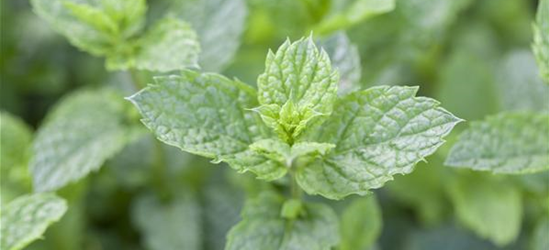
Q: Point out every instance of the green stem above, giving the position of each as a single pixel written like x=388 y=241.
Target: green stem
x=295 y=190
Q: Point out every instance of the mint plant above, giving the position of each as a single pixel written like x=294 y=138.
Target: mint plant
x=295 y=124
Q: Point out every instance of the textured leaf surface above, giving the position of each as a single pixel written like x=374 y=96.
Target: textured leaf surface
x=84 y=130
x=169 y=226
x=219 y=25
x=27 y=218
x=263 y=228
x=360 y=224
x=206 y=114
x=520 y=86
x=169 y=45
x=345 y=57
x=506 y=143
x=491 y=208
x=378 y=133
x=298 y=84
x=541 y=38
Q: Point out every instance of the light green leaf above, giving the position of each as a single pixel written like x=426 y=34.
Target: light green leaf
x=80 y=33
x=95 y=17
x=539 y=239
x=169 y=45
x=378 y=133
x=262 y=227
x=490 y=207
x=205 y=114
x=541 y=38
x=285 y=154
x=298 y=84
x=27 y=218
x=15 y=145
x=506 y=143
x=172 y=225
x=360 y=224
x=520 y=86
x=346 y=59
x=84 y=130
x=98 y=27
x=219 y=25
x=347 y=13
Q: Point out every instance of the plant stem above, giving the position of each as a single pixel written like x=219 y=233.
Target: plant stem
x=295 y=190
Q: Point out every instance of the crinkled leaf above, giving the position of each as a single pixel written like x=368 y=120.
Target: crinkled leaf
x=360 y=224
x=27 y=218
x=84 y=130
x=491 y=208
x=345 y=57
x=297 y=85
x=206 y=114
x=285 y=154
x=520 y=86
x=541 y=38
x=263 y=227
x=506 y=143
x=175 y=224
x=378 y=133
x=169 y=45
x=219 y=25
x=346 y=13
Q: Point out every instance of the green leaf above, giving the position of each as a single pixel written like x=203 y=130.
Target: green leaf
x=505 y=143
x=205 y=114
x=15 y=145
x=490 y=207
x=539 y=239
x=172 y=225
x=263 y=227
x=378 y=133
x=298 y=84
x=27 y=218
x=169 y=45
x=346 y=59
x=347 y=13
x=285 y=154
x=360 y=224
x=79 y=32
x=98 y=27
x=219 y=25
x=520 y=87
x=84 y=130
x=540 y=45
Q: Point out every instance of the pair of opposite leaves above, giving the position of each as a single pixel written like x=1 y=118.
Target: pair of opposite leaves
x=295 y=121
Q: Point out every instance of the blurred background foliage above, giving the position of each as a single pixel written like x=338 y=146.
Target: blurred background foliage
x=472 y=56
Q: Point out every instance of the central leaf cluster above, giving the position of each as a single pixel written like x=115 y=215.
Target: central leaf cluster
x=295 y=121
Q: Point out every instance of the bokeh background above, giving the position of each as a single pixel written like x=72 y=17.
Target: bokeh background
x=474 y=57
